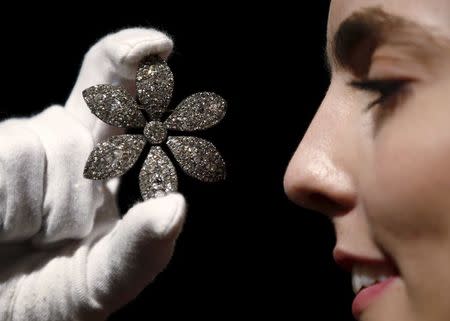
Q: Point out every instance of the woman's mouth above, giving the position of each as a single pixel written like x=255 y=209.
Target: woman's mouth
x=369 y=282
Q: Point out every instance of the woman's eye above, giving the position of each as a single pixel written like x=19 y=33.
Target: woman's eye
x=386 y=89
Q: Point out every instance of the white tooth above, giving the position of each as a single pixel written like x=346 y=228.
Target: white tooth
x=365 y=276
x=356 y=279
x=367 y=280
x=382 y=278
x=355 y=282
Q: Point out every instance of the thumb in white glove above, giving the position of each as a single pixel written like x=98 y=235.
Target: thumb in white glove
x=65 y=253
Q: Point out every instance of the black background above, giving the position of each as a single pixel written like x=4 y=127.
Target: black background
x=245 y=250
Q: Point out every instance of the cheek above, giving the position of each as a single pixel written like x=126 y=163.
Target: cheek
x=411 y=177
x=409 y=180
x=406 y=191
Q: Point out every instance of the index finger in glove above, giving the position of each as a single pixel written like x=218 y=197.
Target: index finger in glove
x=114 y=60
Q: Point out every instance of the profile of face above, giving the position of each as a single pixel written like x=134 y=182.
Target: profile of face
x=376 y=157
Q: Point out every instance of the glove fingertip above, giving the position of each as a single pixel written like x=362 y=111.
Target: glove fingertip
x=160 y=218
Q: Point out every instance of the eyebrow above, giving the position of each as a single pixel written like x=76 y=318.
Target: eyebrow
x=359 y=35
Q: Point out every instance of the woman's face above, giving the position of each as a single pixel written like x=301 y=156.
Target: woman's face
x=376 y=157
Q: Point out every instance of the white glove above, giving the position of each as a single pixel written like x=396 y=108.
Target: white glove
x=65 y=253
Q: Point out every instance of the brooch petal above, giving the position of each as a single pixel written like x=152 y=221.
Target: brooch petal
x=199 y=111
x=198 y=158
x=157 y=176
x=114 y=106
x=114 y=156
x=154 y=85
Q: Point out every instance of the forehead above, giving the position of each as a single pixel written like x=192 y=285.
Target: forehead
x=432 y=13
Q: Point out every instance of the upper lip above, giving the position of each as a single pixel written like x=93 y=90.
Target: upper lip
x=347 y=260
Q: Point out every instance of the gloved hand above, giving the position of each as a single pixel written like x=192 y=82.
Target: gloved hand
x=65 y=253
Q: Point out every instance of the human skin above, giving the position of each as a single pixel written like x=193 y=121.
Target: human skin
x=383 y=174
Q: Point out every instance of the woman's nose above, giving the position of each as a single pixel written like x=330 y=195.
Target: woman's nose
x=318 y=176
x=313 y=181
x=322 y=174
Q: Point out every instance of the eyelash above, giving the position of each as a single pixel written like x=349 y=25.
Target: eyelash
x=386 y=89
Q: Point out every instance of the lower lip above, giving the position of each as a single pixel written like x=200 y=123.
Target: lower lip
x=365 y=297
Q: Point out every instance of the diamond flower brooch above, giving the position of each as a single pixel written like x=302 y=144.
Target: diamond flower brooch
x=197 y=157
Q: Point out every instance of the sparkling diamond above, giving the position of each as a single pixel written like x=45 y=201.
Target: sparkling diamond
x=155 y=132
